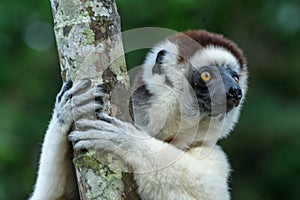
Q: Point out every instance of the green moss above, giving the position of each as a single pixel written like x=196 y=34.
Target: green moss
x=102 y=181
x=90 y=36
x=90 y=11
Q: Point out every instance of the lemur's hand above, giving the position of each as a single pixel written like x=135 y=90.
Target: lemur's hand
x=75 y=101
x=104 y=132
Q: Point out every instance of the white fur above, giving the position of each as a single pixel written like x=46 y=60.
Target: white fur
x=186 y=177
x=55 y=166
x=162 y=171
x=214 y=55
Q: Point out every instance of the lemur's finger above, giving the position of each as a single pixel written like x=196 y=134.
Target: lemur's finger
x=88 y=110
x=65 y=87
x=87 y=124
x=89 y=136
x=96 y=135
x=106 y=118
x=91 y=96
x=69 y=89
x=82 y=144
x=95 y=139
x=80 y=86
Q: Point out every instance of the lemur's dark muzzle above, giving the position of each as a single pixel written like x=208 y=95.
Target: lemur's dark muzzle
x=233 y=90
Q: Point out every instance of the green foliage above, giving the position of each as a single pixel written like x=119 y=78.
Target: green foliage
x=264 y=147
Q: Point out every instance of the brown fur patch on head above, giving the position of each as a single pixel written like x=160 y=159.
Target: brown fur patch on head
x=191 y=41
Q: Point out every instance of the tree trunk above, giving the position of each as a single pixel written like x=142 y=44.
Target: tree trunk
x=90 y=46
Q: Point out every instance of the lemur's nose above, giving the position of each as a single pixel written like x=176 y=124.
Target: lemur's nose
x=234 y=95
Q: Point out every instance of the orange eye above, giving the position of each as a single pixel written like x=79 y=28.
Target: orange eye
x=205 y=76
x=236 y=79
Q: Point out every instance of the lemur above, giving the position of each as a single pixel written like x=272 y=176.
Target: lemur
x=187 y=96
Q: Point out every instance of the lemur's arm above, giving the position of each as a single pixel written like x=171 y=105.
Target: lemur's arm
x=56 y=179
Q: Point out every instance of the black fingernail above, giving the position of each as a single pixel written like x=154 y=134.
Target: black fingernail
x=99 y=100
x=59 y=98
x=101 y=88
x=98 y=112
x=68 y=85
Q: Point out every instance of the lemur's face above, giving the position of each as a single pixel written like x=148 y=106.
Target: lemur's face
x=216 y=88
x=215 y=78
x=212 y=66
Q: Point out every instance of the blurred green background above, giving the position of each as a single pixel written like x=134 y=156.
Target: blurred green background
x=265 y=146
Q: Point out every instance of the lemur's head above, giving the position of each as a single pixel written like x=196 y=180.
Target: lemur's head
x=212 y=68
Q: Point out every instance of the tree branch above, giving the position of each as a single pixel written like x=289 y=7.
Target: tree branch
x=90 y=46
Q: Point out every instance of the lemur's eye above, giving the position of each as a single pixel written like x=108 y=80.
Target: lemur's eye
x=206 y=76
x=236 y=78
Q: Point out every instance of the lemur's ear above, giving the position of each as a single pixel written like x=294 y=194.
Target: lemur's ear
x=159 y=60
x=160 y=57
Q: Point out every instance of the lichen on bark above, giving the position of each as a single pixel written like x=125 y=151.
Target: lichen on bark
x=88 y=38
x=89 y=43
x=101 y=178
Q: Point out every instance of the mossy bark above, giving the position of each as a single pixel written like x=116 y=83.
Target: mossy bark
x=90 y=46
